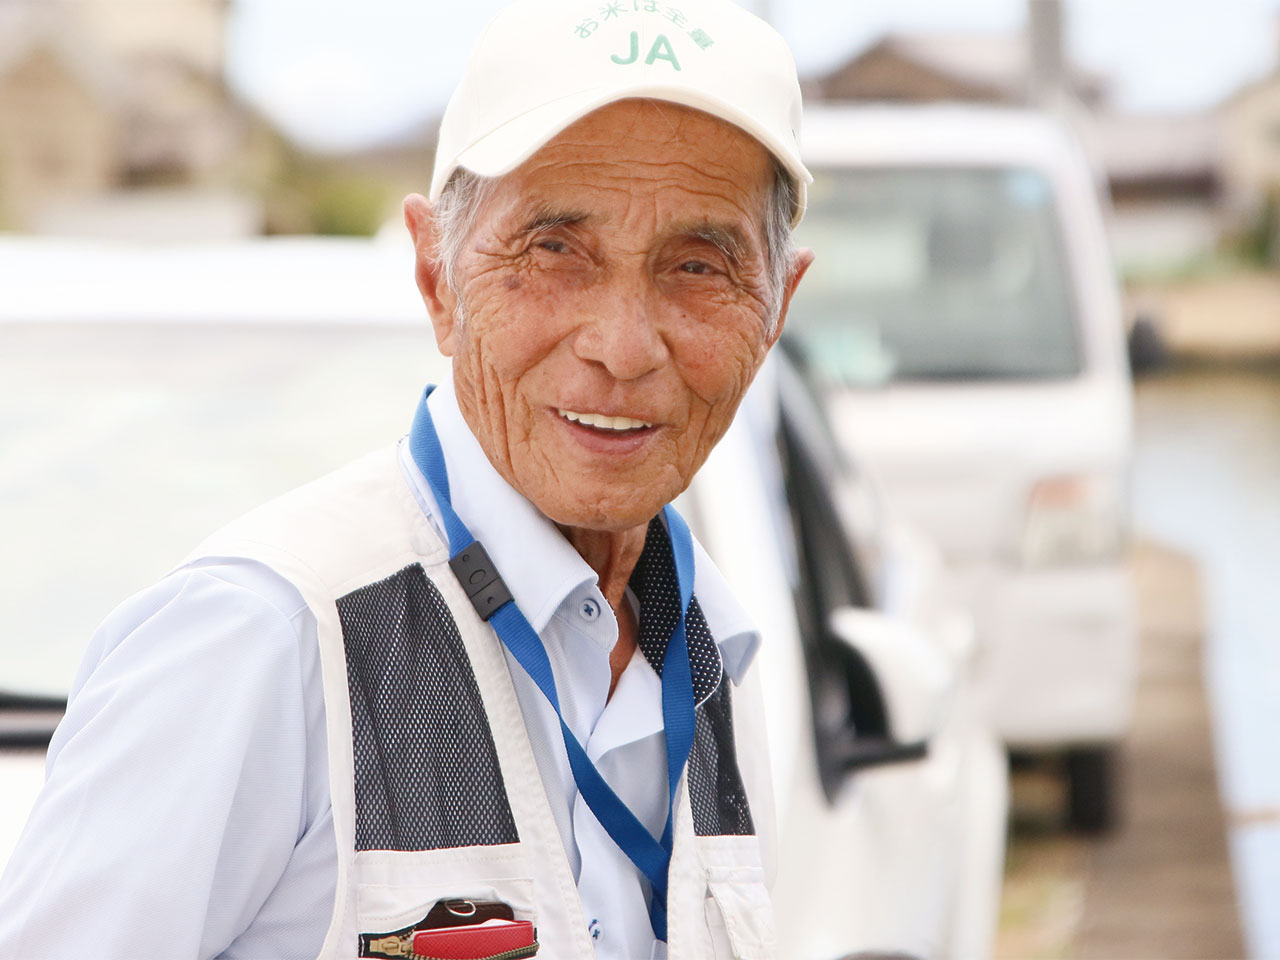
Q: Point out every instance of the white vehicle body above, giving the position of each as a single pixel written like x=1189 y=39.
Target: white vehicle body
x=904 y=855
x=21 y=777
x=913 y=851
x=1020 y=479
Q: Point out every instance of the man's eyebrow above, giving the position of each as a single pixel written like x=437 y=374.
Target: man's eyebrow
x=727 y=238
x=544 y=218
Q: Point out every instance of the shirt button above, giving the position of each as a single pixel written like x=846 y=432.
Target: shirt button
x=590 y=610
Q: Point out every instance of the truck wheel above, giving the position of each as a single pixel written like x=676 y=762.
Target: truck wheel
x=1092 y=801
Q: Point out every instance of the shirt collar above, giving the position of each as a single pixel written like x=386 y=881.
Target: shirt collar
x=539 y=566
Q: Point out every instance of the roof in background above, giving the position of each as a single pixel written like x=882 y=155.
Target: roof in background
x=28 y=25
x=998 y=61
x=1246 y=90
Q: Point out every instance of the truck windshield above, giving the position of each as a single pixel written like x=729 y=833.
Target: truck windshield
x=126 y=444
x=934 y=274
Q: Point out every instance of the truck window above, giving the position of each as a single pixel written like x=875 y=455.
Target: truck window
x=934 y=273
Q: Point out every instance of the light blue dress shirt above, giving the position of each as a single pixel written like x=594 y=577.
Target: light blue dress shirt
x=186 y=813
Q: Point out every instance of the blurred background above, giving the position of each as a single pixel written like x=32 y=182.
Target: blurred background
x=138 y=125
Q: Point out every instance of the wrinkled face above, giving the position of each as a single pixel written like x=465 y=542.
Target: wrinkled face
x=615 y=297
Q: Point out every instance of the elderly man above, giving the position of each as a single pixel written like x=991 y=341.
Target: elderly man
x=481 y=682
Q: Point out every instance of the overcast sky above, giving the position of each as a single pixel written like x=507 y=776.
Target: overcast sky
x=338 y=74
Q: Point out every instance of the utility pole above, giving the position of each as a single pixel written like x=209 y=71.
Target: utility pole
x=1049 y=86
x=1047 y=70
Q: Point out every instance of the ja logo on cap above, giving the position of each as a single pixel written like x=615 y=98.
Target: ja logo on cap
x=661 y=48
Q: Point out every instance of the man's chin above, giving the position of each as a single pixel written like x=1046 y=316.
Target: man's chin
x=608 y=511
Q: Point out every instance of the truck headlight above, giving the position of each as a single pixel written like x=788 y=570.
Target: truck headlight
x=1073 y=519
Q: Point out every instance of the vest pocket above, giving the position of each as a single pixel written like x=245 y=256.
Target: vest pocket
x=739 y=914
x=394 y=890
x=380 y=907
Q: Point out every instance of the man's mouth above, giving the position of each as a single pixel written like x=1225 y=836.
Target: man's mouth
x=605 y=423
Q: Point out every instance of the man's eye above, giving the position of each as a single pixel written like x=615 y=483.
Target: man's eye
x=695 y=266
x=553 y=246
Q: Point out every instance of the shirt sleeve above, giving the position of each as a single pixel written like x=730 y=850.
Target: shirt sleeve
x=177 y=784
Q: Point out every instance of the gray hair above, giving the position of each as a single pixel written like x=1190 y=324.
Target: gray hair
x=784 y=197
x=465 y=193
x=455 y=216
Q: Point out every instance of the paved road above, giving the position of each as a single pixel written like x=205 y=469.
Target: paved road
x=1161 y=886
x=1207 y=498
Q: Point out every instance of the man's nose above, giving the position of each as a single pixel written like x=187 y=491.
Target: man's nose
x=623 y=333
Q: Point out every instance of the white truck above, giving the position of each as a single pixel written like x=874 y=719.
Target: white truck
x=964 y=322
x=257 y=366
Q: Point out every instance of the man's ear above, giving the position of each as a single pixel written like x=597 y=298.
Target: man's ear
x=430 y=273
x=800 y=263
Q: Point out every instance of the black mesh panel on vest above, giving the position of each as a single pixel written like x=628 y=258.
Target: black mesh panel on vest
x=426 y=769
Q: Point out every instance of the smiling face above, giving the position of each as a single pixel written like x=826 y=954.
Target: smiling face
x=615 y=306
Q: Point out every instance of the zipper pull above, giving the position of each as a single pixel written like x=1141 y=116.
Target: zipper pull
x=393 y=946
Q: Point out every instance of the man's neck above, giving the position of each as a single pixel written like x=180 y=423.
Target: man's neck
x=613 y=556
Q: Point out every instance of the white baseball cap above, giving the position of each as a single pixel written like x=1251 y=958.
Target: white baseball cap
x=540 y=65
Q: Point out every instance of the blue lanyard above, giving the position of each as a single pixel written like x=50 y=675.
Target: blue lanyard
x=489 y=595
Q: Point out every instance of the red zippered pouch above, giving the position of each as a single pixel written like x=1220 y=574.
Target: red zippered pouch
x=494 y=940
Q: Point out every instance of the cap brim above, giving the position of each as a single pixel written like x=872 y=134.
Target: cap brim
x=506 y=148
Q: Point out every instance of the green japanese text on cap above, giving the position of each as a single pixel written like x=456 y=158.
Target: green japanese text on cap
x=540 y=65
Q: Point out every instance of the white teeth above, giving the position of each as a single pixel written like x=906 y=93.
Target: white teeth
x=604 y=423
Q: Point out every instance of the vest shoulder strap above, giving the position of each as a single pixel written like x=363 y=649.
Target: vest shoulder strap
x=347 y=529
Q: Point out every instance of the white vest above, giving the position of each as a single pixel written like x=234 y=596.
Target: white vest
x=376 y=577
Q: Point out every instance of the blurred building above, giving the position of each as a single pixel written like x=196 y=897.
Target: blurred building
x=119 y=108
x=1165 y=173
x=967 y=67
x=59 y=112
x=1251 y=144
x=1177 y=183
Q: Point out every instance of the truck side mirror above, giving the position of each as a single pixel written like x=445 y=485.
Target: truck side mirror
x=901 y=686
x=1148 y=351
x=28 y=721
